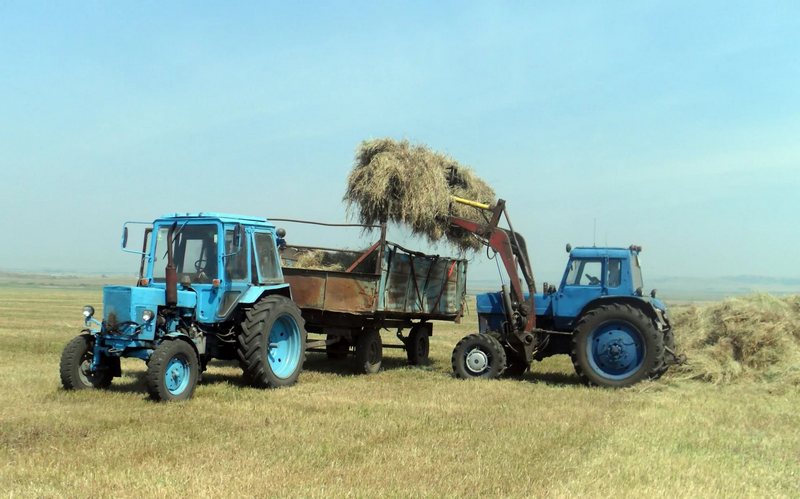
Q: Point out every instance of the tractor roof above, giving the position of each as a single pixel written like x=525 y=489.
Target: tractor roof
x=589 y=252
x=222 y=217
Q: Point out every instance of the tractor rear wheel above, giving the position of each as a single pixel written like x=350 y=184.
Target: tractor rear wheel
x=369 y=351
x=478 y=356
x=272 y=343
x=418 y=345
x=616 y=345
x=76 y=364
x=173 y=371
x=669 y=343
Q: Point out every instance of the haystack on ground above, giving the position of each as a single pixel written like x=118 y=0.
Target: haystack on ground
x=754 y=338
x=411 y=185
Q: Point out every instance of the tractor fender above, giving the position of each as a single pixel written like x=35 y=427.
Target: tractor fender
x=650 y=310
x=175 y=336
x=256 y=293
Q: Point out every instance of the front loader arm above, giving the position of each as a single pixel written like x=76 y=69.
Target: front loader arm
x=513 y=252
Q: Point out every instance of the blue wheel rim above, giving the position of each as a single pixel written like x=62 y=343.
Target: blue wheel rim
x=616 y=350
x=177 y=374
x=284 y=347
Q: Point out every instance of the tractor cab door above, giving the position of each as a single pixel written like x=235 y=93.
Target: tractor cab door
x=583 y=282
x=266 y=268
x=236 y=276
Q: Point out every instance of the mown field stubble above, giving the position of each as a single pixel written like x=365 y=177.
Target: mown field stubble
x=403 y=432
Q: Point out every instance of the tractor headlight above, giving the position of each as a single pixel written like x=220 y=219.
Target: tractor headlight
x=88 y=311
x=148 y=315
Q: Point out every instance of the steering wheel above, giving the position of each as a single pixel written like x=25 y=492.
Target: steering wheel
x=200 y=265
x=593 y=281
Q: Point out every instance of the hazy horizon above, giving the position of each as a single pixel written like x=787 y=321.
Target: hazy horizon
x=672 y=125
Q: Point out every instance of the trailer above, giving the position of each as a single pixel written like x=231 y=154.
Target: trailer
x=354 y=295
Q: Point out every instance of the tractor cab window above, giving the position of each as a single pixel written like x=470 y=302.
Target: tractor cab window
x=585 y=273
x=267 y=258
x=194 y=252
x=236 y=261
x=614 y=277
x=636 y=272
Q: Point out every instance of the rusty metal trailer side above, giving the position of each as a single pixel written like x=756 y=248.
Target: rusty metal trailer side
x=356 y=294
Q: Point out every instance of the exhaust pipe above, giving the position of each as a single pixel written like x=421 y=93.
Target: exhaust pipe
x=171 y=273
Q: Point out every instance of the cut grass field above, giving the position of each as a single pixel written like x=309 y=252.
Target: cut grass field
x=403 y=432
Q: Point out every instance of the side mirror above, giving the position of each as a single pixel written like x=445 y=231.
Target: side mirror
x=653 y=293
x=125 y=237
x=569 y=247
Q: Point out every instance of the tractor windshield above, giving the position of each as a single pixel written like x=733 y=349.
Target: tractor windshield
x=194 y=252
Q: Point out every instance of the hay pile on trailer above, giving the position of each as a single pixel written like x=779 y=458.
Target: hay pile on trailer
x=755 y=338
x=411 y=184
x=316 y=260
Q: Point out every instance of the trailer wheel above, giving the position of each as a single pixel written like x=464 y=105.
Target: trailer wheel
x=616 y=345
x=369 y=351
x=338 y=349
x=76 y=361
x=418 y=344
x=478 y=356
x=173 y=371
x=272 y=343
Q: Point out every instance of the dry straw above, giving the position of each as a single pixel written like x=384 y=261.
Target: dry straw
x=755 y=338
x=411 y=184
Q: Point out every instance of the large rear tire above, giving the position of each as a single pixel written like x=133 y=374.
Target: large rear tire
x=76 y=363
x=272 y=343
x=616 y=345
x=173 y=371
x=478 y=356
x=369 y=351
x=669 y=343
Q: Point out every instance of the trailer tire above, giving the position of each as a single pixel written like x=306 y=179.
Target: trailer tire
x=369 y=351
x=338 y=349
x=75 y=362
x=418 y=345
x=272 y=343
x=616 y=345
x=478 y=356
x=173 y=371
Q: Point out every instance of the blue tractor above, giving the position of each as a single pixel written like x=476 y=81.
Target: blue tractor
x=210 y=287
x=598 y=314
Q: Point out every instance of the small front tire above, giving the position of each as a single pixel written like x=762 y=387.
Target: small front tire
x=76 y=363
x=478 y=356
x=173 y=371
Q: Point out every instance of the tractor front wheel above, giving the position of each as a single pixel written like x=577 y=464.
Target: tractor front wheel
x=478 y=356
x=173 y=371
x=272 y=343
x=76 y=365
x=616 y=345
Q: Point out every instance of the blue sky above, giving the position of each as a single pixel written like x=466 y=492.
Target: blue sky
x=674 y=125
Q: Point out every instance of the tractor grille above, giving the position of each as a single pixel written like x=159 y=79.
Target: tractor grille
x=116 y=305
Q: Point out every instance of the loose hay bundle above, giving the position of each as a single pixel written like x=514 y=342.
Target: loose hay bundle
x=411 y=185
x=315 y=260
x=755 y=338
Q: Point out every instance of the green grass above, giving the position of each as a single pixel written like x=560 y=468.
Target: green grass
x=404 y=431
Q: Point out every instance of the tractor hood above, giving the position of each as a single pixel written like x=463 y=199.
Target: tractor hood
x=127 y=303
